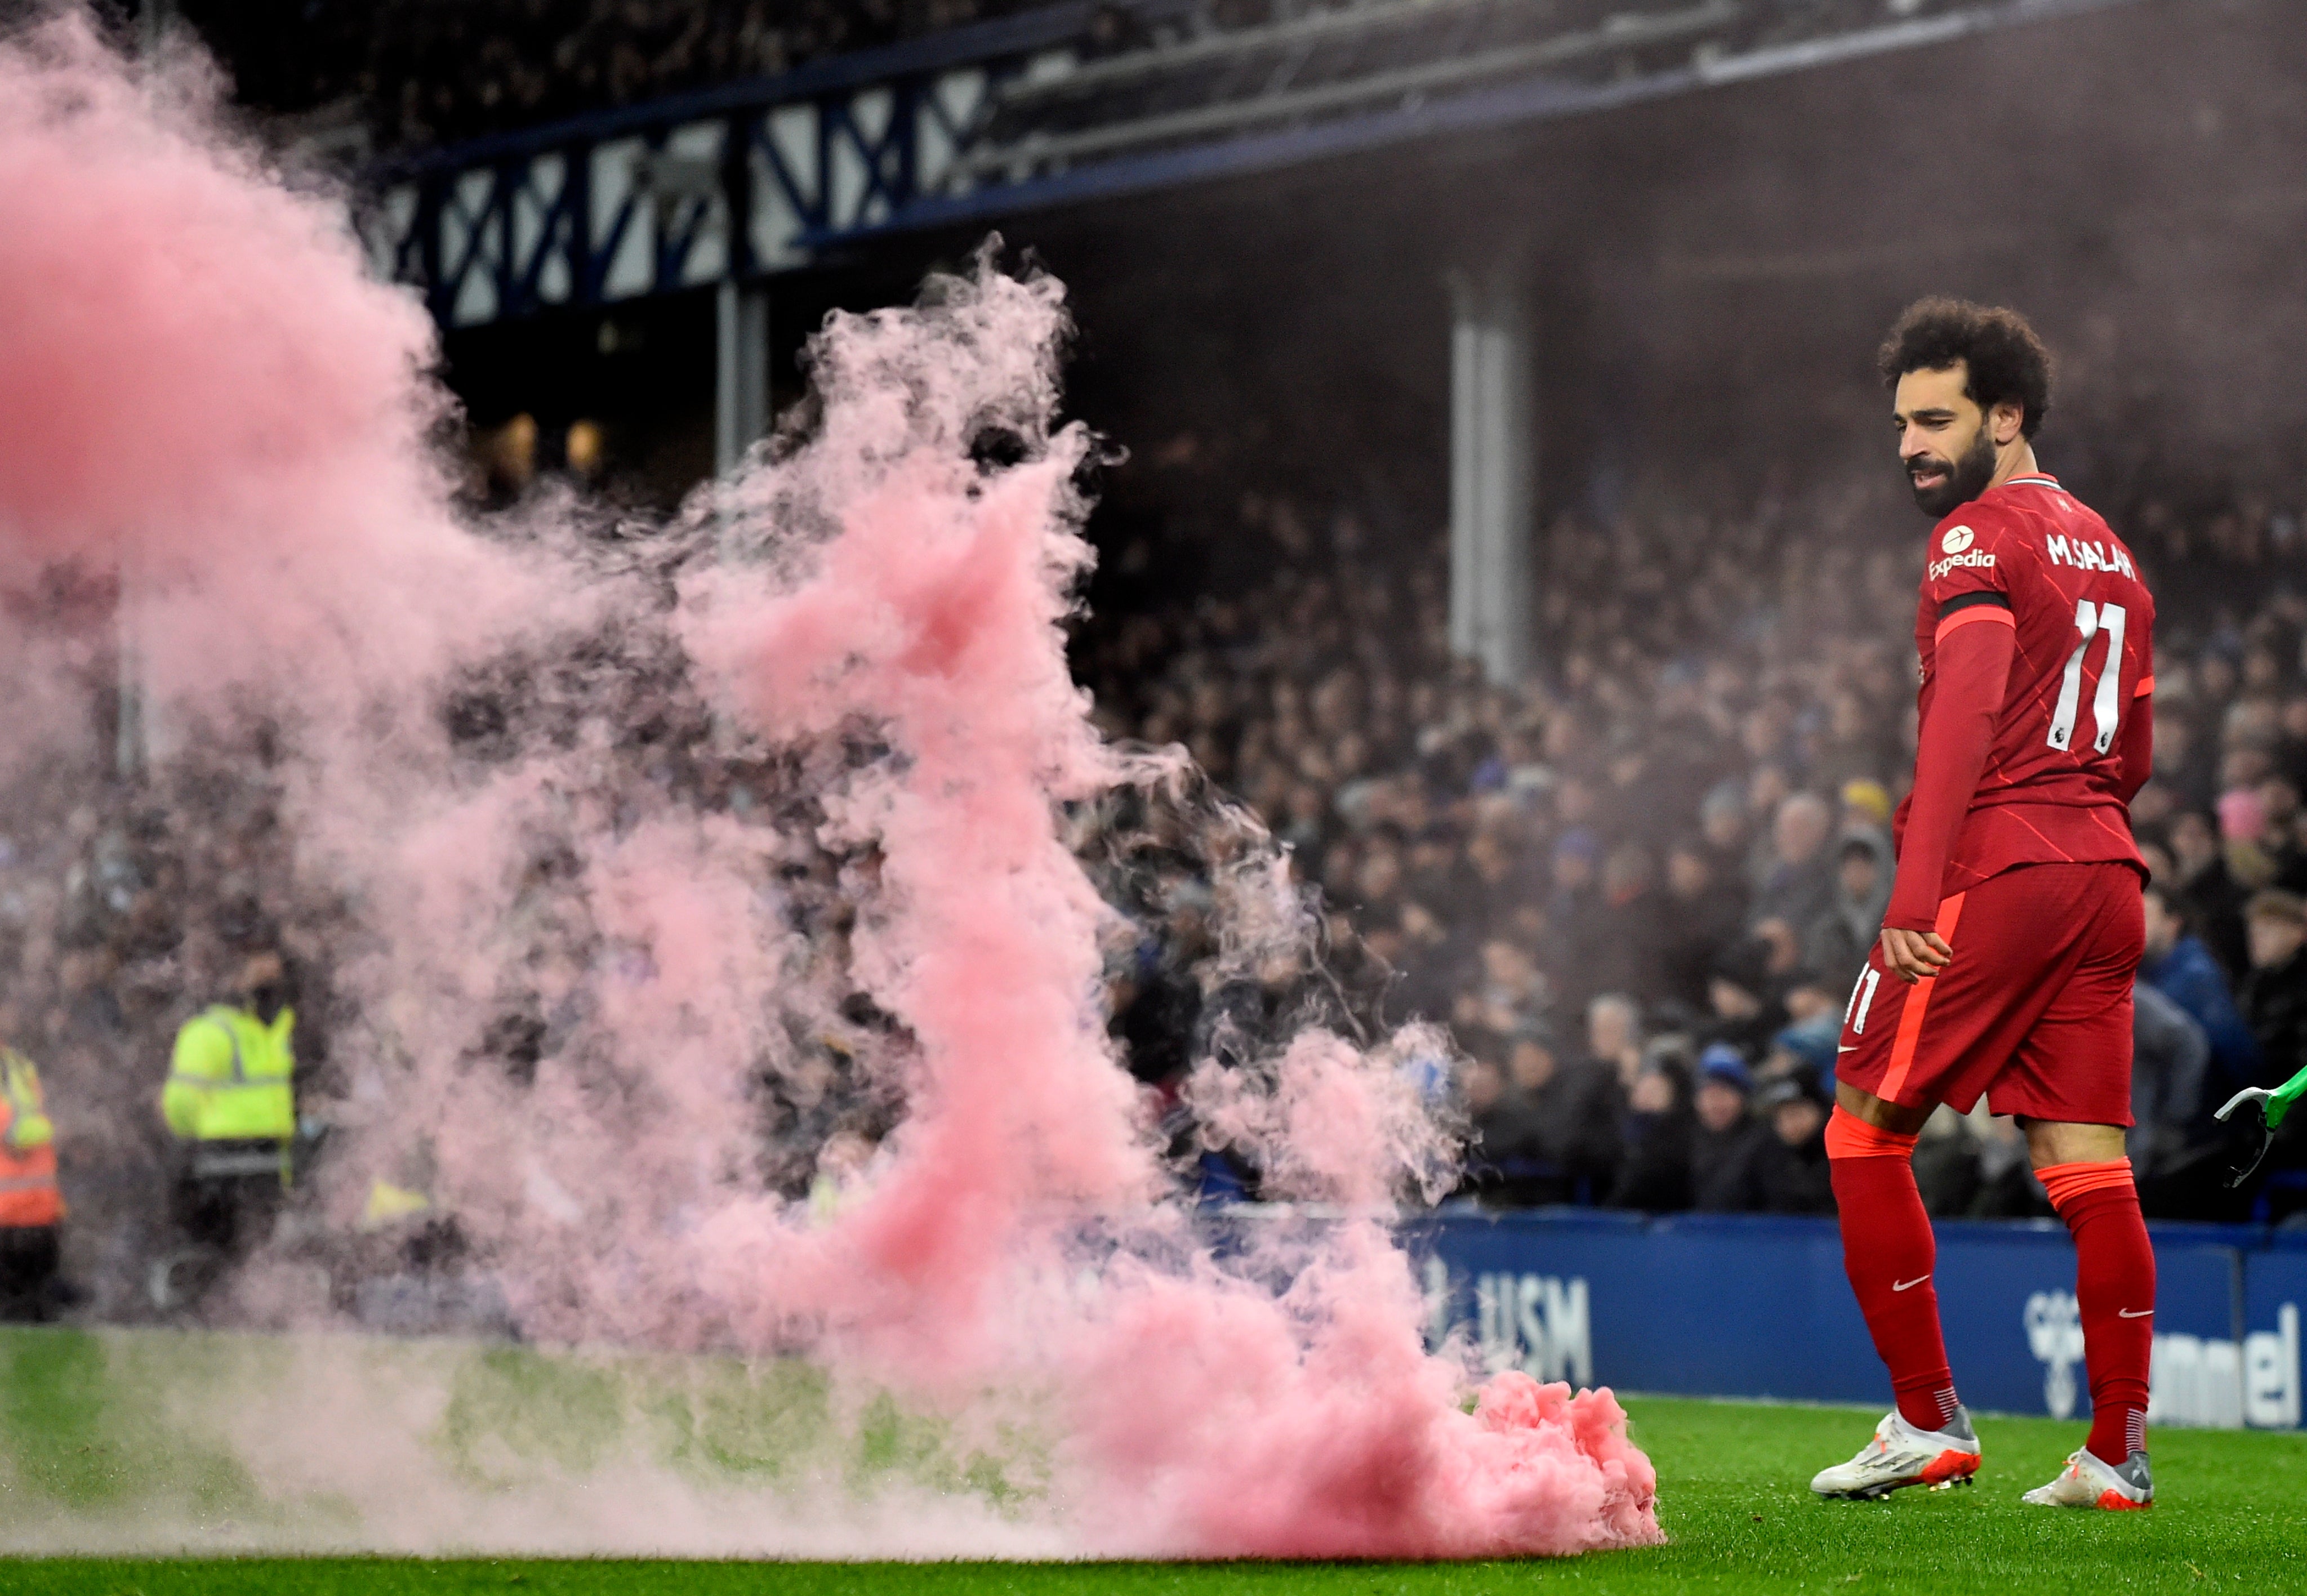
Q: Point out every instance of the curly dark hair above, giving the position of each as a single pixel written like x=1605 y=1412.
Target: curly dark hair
x=2003 y=358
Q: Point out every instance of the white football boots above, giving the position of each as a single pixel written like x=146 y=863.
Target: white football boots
x=2088 y=1482
x=1900 y=1455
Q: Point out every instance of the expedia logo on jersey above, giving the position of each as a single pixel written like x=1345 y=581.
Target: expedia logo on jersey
x=1956 y=546
x=1978 y=557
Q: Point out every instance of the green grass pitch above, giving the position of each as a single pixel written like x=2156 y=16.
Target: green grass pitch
x=2231 y=1516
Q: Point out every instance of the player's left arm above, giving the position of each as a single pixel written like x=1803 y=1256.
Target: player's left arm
x=1967 y=578
x=1974 y=671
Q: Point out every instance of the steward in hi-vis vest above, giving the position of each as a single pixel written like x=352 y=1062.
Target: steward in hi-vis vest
x=28 y=1199
x=31 y=1206
x=230 y=1092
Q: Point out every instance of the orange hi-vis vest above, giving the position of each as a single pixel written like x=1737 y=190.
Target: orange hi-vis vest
x=27 y=1149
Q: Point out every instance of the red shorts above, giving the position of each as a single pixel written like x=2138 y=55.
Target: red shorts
x=2035 y=1011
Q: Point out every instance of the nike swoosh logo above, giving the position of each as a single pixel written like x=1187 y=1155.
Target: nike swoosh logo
x=2125 y=1313
x=1906 y=1285
x=1847 y=1049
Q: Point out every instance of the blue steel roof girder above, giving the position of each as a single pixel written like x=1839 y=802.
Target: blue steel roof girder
x=559 y=218
x=905 y=129
x=422 y=241
x=678 y=228
x=476 y=230
x=829 y=112
x=1034 y=110
x=504 y=199
x=597 y=262
x=737 y=194
x=843 y=127
x=588 y=262
x=806 y=205
x=932 y=106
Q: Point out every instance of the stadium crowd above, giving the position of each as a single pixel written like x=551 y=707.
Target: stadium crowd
x=1636 y=888
x=1640 y=887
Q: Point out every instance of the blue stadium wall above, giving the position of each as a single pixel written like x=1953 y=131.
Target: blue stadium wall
x=1738 y=1306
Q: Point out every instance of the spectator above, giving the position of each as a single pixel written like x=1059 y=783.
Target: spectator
x=1866 y=812
x=2286 y=831
x=1738 y=990
x=1512 y=993
x=1632 y=954
x=1804 y=1052
x=1788 y=1173
x=1157 y=1014
x=1503 y=1132
x=1723 y=1140
x=1854 y=750
x=1654 y=1168
x=1835 y=944
x=1495 y=886
x=1614 y=1038
x=2169 y=1058
x=1813 y=1002
x=1575 y=1104
x=1703 y=911
x=2245 y=836
x=1722 y=826
x=2178 y=965
x=1576 y=925
x=2207 y=894
x=2275 y=993
x=1434 y=959
x=1241 y=1016
x=1947 y=1163
x=1800 y=886
x=2007 y=1187
x=2275 y=997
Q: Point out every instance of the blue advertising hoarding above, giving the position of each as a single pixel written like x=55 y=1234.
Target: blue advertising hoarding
x=1758 y=1306
x=2274 y=1291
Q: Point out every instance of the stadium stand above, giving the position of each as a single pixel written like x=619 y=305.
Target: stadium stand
x=1507 y=860
x=1134 y=73
x=422 y=72
x=1665 y=813
x=1635 y=886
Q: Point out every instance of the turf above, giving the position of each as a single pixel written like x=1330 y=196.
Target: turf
x=2231 y=1516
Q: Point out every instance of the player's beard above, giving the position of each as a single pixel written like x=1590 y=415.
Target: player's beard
x=1965 y=480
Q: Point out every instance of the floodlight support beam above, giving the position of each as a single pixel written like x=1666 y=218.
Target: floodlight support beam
x=741 y=372
x=1493 y=470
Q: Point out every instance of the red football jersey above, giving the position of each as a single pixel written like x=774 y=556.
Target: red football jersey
x=2084 y=625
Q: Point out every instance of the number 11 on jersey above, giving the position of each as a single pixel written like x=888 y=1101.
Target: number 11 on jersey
x=2107 y=704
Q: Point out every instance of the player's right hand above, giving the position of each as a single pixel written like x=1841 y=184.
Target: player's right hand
x=1915 y=955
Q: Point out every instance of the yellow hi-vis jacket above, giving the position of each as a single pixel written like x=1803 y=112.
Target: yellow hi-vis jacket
x=28 y=1147
x=229 y=1077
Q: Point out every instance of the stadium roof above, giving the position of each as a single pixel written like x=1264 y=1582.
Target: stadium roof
x=1074 y=102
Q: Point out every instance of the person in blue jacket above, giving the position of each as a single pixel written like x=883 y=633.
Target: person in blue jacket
x=2180 y=966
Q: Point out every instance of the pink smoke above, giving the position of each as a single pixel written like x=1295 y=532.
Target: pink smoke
x=1226 y=1420
x=200 y=389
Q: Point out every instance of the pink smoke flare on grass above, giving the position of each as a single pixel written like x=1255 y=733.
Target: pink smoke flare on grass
x=199 y=387
x=1209 y=1415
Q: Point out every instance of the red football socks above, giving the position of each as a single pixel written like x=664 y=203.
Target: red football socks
x=2115 y=1291
x=1889 y=1254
